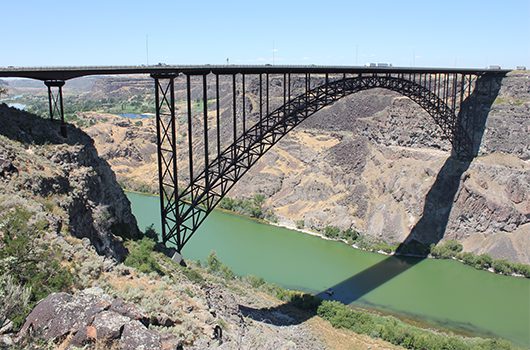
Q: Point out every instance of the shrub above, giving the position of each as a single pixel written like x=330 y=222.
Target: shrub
x=227 y=273
x=446 y=250
x=331 y=231
x=397 y=332
x=14 y=300
x=192 y=275
x=31 y=262
x=484 y=261
x=151 y=233
x=468 y=258
x=304 y=301
x=213 y=264
x=502 y=266
x=300 y=224
x=522 y=269
x=250 y=207
x=141 y=256
x=350 y=235
x=254 y=281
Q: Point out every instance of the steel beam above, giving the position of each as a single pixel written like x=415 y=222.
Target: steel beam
x=55 y=101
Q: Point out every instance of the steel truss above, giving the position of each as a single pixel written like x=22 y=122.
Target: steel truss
x=184 y=207
x=55 y=101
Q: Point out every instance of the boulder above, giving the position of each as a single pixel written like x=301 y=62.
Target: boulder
x=92 y=317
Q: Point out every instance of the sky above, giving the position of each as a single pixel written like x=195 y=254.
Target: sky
x=428 y=33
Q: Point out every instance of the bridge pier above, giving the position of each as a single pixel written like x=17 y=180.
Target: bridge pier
x=55 y=101
x=167 y=156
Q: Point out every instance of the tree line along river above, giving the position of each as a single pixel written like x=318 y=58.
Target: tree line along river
x=441 y=293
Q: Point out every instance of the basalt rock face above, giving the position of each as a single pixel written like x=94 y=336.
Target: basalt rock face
x=91 y=317
x=375 y=161
x=37 y=163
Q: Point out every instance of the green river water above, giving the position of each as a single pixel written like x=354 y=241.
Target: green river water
x=442 y=293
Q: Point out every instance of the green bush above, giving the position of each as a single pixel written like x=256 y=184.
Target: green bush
x=383 y=246
x=502 y=267
x=468 y=258
x=332 y=232
x=350 y=235
x=300 y=224
x=141 y=256
x=304 y=301
x=150 y=233
x=255 y=281
x=484 y=261
x=399 y=333
x=213 y=264
x=31 y=262
x=250 y=207
x=227 y=273
x=192 y=275
x=14 y=300
x=522 y=269
x=446 y=250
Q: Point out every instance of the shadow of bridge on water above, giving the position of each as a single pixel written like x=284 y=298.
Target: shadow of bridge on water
x=430 y=229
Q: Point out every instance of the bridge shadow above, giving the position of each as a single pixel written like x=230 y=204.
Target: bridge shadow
x=429 y=229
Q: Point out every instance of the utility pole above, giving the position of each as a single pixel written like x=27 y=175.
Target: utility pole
x=273 y=53
x=147 y=49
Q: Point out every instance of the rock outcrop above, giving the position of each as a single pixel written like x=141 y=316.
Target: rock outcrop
x=35 y=161
x=92 y=317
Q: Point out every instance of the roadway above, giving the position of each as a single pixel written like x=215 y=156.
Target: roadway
x=66 y=73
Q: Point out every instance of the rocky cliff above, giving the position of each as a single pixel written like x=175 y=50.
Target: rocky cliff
x=36 y=162
x=375 y=161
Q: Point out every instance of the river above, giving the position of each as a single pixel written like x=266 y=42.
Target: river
x=442 y=293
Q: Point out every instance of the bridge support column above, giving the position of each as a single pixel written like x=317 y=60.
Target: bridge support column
x=55 y=101
x=167 y=157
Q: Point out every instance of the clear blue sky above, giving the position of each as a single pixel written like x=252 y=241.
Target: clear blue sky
x=463 y=33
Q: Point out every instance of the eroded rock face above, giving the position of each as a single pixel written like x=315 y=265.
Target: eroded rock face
x=87 y=318
x=35 y=161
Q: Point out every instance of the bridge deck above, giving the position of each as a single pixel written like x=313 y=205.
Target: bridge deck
x=65 y=73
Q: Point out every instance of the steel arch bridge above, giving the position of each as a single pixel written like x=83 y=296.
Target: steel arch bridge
x=215 y=122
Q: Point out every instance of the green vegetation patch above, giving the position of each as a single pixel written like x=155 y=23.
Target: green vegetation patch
x=141 y=256
x=30 y=268
x=253 y=207
x=452 y=249
x=399 y=333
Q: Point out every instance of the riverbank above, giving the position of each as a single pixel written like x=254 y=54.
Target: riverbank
x=420 y=289
x=444 y=250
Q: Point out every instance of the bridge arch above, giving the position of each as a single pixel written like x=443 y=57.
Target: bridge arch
x=199 y=198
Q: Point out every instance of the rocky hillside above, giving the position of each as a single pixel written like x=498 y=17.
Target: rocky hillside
x=69 y=177
x=374 y=162
x=65 y=225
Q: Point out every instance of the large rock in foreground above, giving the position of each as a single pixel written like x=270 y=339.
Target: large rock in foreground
x=91 y=317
